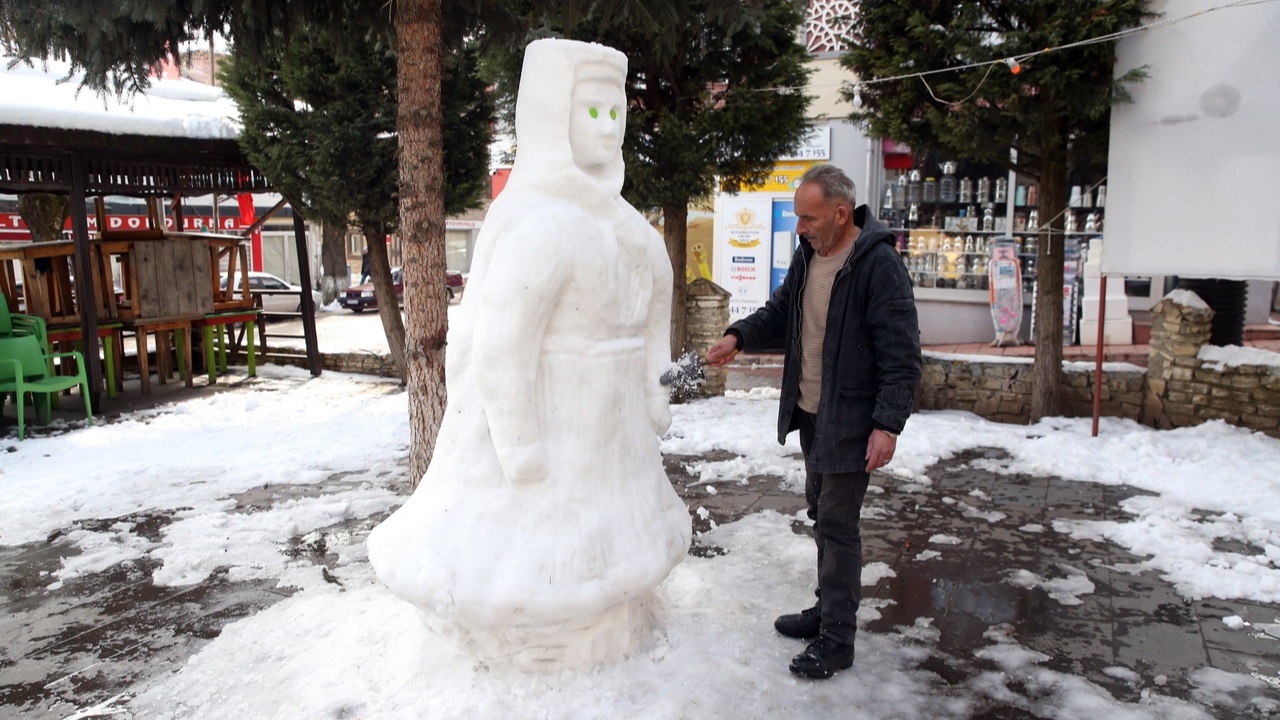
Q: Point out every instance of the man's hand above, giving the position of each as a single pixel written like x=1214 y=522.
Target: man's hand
x=722 y=352
x=880 y=449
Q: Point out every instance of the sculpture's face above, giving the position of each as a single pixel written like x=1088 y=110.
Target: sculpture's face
x=596 y=123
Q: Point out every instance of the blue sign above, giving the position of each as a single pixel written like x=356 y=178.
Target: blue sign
x=784 y=241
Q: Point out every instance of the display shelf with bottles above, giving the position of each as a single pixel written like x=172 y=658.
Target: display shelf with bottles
x=945 y=229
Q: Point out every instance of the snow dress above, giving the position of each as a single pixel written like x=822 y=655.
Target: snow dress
x=546 y=518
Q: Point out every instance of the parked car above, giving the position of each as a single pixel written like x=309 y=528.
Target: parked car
x=276 y=294
x=363 y=297
x=453 y=283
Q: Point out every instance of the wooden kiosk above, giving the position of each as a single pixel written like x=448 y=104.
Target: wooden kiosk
x=170 y=281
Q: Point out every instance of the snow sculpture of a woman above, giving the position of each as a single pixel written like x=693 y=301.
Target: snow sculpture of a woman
x=545 y=519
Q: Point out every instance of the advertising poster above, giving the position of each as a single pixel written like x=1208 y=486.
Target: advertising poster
x=744 y=253
x=784 y=241
x=699 y=250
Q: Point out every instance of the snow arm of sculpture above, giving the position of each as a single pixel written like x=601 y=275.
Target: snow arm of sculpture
x=658 y=336
x=519 y=293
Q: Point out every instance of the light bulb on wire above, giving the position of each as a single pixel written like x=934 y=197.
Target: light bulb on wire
x=1015 y=67
x=857 y=96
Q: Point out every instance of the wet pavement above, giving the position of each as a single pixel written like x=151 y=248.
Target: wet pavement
x=996 y=528
x=1087 y=606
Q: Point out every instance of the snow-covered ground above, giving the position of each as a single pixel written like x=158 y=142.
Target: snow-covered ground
x=349 y=649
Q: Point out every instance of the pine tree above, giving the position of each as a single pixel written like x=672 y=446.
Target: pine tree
x=322 y=125
x=715 y=92
x=1052 y=108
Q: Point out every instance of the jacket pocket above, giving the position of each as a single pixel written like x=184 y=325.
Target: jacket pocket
x=853 y=413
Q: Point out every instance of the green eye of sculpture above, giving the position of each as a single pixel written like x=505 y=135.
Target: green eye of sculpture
x=613 y=114
x=594 y=113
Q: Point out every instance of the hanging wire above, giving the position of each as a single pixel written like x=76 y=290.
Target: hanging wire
x=964 y=99
x=1015 y=61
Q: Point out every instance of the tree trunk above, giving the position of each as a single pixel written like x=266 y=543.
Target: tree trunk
x=675 y=233
x=384 y=289
x=1046 y=385
x=419 y=124
x=45 y=215
x=335 y=276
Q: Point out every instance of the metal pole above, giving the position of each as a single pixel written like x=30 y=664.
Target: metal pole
x=1097 y=365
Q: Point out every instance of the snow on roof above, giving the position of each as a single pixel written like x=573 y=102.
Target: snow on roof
x=48 y=95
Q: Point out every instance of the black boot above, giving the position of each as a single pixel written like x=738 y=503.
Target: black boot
x=804 y=624
x=822 y=659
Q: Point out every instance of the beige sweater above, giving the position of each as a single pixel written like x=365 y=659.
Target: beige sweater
x=813 y=324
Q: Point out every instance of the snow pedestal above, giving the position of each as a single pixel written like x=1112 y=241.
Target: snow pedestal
x=588 y=641
x=1118 y=325
x=545 y=519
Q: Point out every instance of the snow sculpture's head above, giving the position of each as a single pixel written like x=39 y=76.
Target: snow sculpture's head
x=571 y=113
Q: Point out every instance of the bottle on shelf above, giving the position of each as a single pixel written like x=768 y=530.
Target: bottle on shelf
x=1091 y=223
x=947 y=186
x=930 y=190
x=900 y=193
x=1074 y=201
x=913 y=215
x=1002 y=190
x=1069 y=222
x=988 y=219
x=913 y=187
x=1033 y=195
x=983 y=195
x=968 y=244
x=1020 y=195
x=1102 y=197
x=966 y=190
x=1033 y=218
x=887 y=204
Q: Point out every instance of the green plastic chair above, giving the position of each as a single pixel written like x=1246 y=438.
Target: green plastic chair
x=24 y=368
x=12 y=324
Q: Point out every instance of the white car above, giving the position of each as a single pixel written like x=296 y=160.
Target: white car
x=276 y=294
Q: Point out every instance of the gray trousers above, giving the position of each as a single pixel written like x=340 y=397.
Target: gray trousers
x=835 y=504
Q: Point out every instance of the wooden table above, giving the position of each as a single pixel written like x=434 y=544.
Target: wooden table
x=142 y=327
x=47 y=272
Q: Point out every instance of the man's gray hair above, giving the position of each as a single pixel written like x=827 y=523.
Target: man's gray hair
x=834 y=183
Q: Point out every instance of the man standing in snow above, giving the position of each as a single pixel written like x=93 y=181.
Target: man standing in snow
x=848 y=315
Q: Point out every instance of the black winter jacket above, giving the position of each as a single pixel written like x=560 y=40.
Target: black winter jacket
x=870 y=355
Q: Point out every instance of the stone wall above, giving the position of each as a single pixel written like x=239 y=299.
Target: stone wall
x=1000 y=389
x=1189 y=381
x=1186 y=381
x=365 y=363
x=707 y=314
